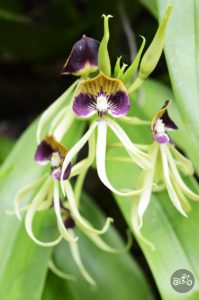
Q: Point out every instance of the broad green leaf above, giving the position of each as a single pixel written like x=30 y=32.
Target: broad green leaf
x=117 y=275
x=175 y=237
x=5 y=145
x=56 y=288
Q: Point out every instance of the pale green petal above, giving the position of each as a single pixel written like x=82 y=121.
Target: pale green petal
x=100 y=243
x=79 y=220
x=74 y=151
x=32 y=209
x=186 y=190
x=140 y=158
x=58 y=272
x=185 y=203
x=144 y=199
x=64 y=125
x=170 y=189
x=52 y=109
x=87 y=162
x=24 y=192
x=184 y=163
x=63 y=231
x=101 y=161
x=76 y=256
x=136 y=227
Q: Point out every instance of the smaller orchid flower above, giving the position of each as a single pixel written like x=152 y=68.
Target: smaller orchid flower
x=161 y=123
x=49 y=151
x=47 y=196
x=168 y=163
x=83 y=59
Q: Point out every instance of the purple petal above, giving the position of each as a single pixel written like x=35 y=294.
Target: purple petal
x=57 y=173
x=84 y=105
x=119 y=103
x=43 y=152
x=164 y=138
x=84 y=54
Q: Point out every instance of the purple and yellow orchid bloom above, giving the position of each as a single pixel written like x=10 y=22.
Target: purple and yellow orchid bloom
x=103 y=96
x=50 y=151
x=167 y=163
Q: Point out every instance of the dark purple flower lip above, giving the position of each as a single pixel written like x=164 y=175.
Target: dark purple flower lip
x=53 y=152
x=66 y=215
x=162 y=123
x=103 y=95
x=68 y=220
x=83 y=58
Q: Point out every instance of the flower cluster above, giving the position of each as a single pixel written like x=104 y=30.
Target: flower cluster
x=101 y=97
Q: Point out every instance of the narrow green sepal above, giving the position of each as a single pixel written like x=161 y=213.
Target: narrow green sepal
x=153 y=53
x=117 y=67
x=103 y=55
x=121 y=72
x=130 y=72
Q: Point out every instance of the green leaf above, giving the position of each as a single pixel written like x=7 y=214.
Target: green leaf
x=175 y=237
x=108 y=270
x=6 y=145
x=56 y=288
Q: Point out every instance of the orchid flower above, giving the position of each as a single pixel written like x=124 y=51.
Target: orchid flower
x=168 y=163
x=51 y=152
x=104 y=96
